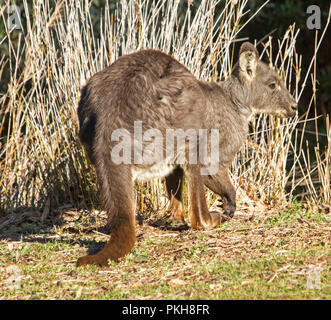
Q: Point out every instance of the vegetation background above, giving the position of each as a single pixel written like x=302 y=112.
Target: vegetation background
x=270 y=24
x=274 y=19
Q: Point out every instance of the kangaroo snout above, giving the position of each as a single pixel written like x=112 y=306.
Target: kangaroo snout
x=293 y=109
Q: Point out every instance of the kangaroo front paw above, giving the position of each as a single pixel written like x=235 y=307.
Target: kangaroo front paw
x=229 y=208
x=175 y=209
x=210 y=220
x=217 y=219
x=92 y=260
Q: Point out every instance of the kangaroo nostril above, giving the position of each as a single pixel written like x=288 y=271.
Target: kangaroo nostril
x=294 y=107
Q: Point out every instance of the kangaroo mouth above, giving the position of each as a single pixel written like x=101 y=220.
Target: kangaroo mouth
x=287 y=113
x=292 y=112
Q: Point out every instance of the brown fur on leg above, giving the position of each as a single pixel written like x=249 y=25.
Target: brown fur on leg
x=121 y=242
x=176 y=209
x=116 y=190
x=200 y=217
x=174 y=184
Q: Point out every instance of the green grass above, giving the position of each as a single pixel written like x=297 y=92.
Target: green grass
x=267 y=258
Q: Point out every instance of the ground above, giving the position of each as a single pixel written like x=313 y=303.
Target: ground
x=261 y=254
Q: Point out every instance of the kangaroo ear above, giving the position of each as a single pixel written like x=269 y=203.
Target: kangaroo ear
x=248 y=58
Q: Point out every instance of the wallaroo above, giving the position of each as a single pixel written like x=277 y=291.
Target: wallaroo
x=155 y=90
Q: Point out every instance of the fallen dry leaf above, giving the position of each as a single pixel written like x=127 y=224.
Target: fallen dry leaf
x=136 y=284
x=79 y=292
x=247 y=282
x=176 y=282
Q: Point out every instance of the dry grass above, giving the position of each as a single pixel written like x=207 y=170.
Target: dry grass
x=41 y=159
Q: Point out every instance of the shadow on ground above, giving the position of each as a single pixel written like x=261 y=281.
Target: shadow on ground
x=69 y=225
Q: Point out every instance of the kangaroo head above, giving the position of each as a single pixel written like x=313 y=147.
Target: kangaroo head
x=265 y=89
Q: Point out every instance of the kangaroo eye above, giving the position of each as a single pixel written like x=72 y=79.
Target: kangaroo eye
x=272 y=85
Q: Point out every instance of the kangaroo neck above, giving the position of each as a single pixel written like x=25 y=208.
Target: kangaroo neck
x=227 y=106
